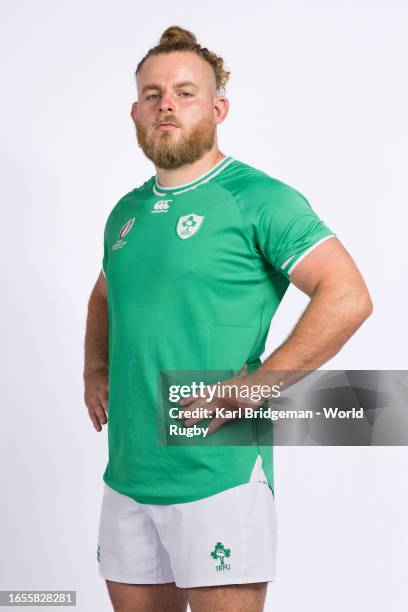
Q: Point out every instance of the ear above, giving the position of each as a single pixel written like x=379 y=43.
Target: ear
x=221 y=108
x=133 y=111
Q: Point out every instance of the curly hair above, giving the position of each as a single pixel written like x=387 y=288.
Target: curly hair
x=175 y=38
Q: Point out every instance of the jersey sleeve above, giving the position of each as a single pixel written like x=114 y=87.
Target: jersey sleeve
x=105 y=253
x=105 y=258
x=107 y=234
x=287 y=229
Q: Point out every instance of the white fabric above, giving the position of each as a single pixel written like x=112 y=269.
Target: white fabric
x=257 y=474
x=158 y=543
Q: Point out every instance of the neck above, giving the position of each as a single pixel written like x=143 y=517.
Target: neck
x=189 y=172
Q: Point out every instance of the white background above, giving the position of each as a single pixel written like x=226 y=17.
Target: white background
x=318 y=99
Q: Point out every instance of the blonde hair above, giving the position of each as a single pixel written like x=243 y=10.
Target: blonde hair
x=175 y=38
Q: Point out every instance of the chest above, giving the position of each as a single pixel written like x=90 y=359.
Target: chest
x=169 y=237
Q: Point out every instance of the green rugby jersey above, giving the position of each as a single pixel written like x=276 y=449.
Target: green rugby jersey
x=194 y=276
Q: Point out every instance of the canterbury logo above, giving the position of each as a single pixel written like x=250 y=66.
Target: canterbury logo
x=161 y=206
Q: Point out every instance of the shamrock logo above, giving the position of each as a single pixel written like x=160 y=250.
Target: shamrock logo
x=220 y=553
x=188 y=225
x=189 y=222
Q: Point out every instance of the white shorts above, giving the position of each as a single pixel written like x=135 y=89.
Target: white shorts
x=227 y=538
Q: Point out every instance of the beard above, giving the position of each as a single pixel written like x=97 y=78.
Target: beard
x=186 y=149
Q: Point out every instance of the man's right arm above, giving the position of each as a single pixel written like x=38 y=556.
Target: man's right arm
x=96 y=365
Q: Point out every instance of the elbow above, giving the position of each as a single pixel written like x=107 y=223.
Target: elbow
x=353 y=304
x=369 y=307
x=362 y=307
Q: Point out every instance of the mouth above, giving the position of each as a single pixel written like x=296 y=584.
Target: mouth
x=165 y=126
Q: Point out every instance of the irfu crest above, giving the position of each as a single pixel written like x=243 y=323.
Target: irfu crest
x=220 y=553
x=188 y=225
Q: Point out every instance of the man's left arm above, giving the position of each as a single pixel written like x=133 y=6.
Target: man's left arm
x=339 y=304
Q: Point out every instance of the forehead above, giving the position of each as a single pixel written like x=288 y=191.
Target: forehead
x=170 y=68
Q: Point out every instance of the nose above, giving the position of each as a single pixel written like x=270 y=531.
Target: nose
x=166 y=103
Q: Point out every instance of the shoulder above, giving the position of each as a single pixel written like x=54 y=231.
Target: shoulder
x=254 y=190
x=130 y=200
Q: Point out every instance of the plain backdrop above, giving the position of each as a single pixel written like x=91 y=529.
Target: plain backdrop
x=318 y=99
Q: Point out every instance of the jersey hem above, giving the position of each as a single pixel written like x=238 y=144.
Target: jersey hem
x=180 y=499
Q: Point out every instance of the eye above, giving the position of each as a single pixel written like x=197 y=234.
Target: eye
x=151 y=96
x=187 y=93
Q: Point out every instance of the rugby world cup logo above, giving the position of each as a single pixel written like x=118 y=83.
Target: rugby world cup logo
x=120 y=243
x=126 y=228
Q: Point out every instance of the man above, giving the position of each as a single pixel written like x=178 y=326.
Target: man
x=196 y=262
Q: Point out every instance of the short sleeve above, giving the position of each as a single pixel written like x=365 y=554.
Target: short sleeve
x=108 y=238
x=105 y=250
x=287 y=229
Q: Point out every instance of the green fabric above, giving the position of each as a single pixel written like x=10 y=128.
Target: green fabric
x=199 y=300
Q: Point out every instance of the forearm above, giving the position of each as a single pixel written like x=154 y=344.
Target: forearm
x=97 y=334
x=331 y=318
